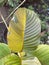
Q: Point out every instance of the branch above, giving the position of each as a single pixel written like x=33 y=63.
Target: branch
x=14 y=11
x=10 y=14
x=3 y=20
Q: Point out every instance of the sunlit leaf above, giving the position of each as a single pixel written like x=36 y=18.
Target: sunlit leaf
x=32 y=32
x=34 y=61
x=24 y=31
x=42 y=53
x=16 y=30
x=11 y=59
x=4 y=50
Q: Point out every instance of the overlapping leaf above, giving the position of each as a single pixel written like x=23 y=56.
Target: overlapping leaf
x=11 y=59
x=16 y=30
x=31 y=33
x=4 y=50
x=42 y=53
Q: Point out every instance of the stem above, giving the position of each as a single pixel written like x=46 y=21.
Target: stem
x=10 y=14
x=14 y=11
x=19 y=54
x=4 y=20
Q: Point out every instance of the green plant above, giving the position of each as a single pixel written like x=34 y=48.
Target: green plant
x=42 y=52
x=4 y=50
x=12 y=3
x=11 y=59
x=2 y=2
x=15 y=27
x=18 y=28
x=8 y=58
x=21 y=27
x=24 y=35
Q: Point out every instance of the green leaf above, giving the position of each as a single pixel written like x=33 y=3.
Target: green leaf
x=4 y=50
x=42 y=53
x=1 y=62
x=33 y=61
x=32 y=32
x=11 y=59
x=24 y=30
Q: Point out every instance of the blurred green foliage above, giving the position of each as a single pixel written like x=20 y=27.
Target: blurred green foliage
x=13 y=3
x=2 y=2
x=41 y=7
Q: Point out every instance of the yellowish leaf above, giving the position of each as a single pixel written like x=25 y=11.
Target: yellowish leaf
x=16 y=30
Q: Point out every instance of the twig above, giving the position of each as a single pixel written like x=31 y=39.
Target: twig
x=3 y=20
x=14 y=11
x=10 y=14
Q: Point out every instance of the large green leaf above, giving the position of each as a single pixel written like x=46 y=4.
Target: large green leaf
x=32 y=32
x=24 y=31
x=11 y=59
x=42 y=53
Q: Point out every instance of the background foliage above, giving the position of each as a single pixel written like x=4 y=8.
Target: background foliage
x=41 y=7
